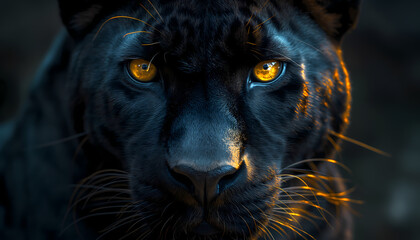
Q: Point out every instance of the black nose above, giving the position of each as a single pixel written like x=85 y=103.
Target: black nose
x=206 y=185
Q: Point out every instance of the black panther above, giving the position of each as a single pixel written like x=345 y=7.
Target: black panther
x=158 y=119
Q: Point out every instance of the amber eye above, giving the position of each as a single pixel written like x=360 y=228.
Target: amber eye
x=142 y=70
x=267 y=71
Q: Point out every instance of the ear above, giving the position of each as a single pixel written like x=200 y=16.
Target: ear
x=80 y=16
x=336 y=17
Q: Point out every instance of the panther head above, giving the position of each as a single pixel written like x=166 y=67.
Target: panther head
x=217 y=113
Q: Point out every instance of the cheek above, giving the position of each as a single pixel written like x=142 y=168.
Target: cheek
x=271 y=118
x=268 y=118
x=127 y=114
x=140 y=122
x=275 y=109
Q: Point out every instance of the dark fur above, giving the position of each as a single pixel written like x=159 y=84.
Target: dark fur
x=202 y=99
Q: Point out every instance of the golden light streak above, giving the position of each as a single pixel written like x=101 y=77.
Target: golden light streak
x=302 y=72
x=346 y=114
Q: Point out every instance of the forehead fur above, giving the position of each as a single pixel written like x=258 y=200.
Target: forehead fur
x=197 y=30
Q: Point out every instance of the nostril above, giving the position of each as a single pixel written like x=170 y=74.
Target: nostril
x=203 y=184
x=230 y=179
x=182 y=179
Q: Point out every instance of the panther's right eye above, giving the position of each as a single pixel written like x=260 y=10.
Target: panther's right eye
x=142 y=70
x=267 y=71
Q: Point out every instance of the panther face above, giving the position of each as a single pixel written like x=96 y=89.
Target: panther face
x=208 y=106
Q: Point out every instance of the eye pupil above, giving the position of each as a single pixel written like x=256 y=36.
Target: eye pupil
x=266 y=67
x=144 y=66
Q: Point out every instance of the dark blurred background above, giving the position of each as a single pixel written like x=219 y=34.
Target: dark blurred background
x=383 y=58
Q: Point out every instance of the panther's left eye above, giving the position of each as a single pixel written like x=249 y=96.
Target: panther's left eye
x=267 y=71
x=142 y=70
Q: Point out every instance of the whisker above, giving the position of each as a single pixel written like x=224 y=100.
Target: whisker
x=334 y=144
x=109 y=202
x=148 y=11
x=102 y=188
x=257 y=57
x=92 y=194
x=265 y=4
x=115 y=197
x=56 y=142
x=250 y=214
x=105 y=177
x=135 y=32
x=306 y=184
x=156 y=224
x=90 y=216
x=151 y=61
x=89 y=197
x=156 y=10
x=287 y=207
x=163 y=226
x=150 y=44
x=310 y=45
x=76 y=194
x=263 y=225
x=279 y=223
x=312 y=174
x=318 y=160
x=255 y=51
x=259 y=26
x=249 y=229
x=331 y=195
x=303 y=214
x=93 y=187
x=296 y=230
x=111 y=207
x=80 y=146
x=250 y=43
x=116 y=224
x=361 y=144
x=121 y=223
x=284 y=56
x=249 y=20
x=252 y=14
x=141 y=218
x=123 y=17
x=164 y=57
x=277 y=228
